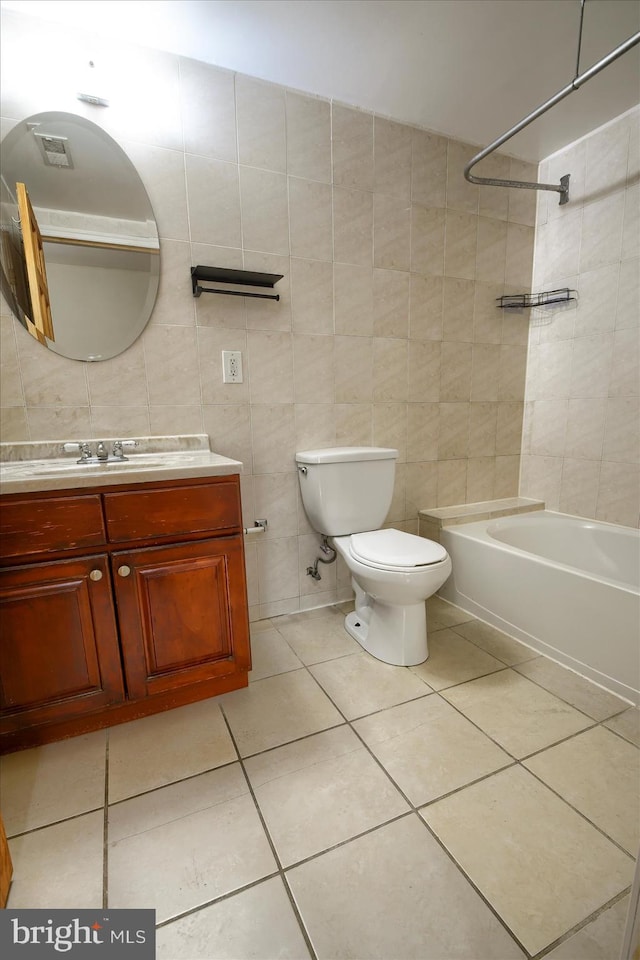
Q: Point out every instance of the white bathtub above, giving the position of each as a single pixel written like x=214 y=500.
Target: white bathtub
x=568 y=587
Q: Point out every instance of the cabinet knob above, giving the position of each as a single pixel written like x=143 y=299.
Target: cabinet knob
x=124 y=570
x=96 y=575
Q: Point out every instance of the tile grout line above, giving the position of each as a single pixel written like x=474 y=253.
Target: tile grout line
x=582 y=924
x=583 y=816
x=215 y=900
x=105 y=852
x=276 y=857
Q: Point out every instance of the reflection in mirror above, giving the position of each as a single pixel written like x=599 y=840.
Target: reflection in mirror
x=99 y=235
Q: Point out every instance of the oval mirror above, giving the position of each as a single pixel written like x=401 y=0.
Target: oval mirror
x=99 y=238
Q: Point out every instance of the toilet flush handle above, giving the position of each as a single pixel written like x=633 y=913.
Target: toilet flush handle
x=302 y=469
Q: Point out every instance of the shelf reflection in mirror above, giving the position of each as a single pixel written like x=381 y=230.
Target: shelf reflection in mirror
x=99 y=235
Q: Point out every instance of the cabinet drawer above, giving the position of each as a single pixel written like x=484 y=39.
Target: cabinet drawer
x=32 y=526
x=176 y=511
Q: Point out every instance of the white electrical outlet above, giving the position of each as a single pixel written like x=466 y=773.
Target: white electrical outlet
x=231 y=366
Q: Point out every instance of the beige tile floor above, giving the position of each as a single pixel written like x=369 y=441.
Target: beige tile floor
x=483 y=805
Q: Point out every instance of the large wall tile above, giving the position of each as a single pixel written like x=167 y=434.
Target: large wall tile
x=270 y=367
x=352 y=226
x=391 y=232
x=214 y=201
x=310 y=218
x=207 y=96
x=352 y=133
x=312 y=296
x=171 y=361
x=265 y=221
x=261 y=124
x=392 y=158
x=461 y=195
x=602 y=232
x=308 y=137
x=391 y=303
x=460 y=245
x=428 y=168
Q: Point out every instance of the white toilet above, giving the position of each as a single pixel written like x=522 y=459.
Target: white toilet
x=346 y=492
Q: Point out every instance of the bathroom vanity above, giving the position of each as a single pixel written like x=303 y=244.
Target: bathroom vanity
x=122 y=590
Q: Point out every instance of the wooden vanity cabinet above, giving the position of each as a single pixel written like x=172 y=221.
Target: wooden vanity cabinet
x=118 y=602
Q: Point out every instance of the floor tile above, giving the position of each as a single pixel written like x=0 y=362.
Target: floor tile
x=175 y=801
x=572 y=688
x=256 y=924
x=539 y=863
x=453 y=660
x=332 y=791
x=495 y=642
x=627 y=725
x=277 y=710
x=429 y=748
x=52 y=782
x=599 y=940
x=441 y=613
x=166 y=747
x=177 y=864
x=519 y=715
x=360 y=684
x=270 y=655
x=319 y=639
x=59 y=866
x=598 y=773
x=364 y=900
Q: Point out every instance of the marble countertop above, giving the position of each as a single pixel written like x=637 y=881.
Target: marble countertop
x=43 y=466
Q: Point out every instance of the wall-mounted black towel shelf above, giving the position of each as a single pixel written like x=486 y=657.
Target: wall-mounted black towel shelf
x=519 y=300
x=238 y=277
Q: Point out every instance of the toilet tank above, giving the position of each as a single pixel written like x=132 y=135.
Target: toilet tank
x=346 y=489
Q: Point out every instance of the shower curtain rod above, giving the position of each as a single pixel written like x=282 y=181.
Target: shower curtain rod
x=563 y=187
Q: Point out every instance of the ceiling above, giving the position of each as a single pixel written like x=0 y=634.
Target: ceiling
x=469 y=69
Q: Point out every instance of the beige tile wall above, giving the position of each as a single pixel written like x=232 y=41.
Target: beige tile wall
x=386 y=332
x=581 y=446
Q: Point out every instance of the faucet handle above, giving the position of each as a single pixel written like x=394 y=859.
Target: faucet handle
x=83 y=448
x=118 y=445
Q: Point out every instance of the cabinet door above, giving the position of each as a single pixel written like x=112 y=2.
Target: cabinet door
x=182 y=612
x=59 y=654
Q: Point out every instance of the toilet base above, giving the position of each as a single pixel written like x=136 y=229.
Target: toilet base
x=393 y=634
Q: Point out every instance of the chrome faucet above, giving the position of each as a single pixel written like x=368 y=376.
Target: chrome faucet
x=101 y=451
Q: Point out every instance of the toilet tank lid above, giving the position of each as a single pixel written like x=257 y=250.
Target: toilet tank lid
x=345 y=454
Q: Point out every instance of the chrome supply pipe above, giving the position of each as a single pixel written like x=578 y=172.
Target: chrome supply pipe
x=330 y=555
x=563 y=187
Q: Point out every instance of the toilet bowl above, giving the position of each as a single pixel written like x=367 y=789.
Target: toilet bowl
x=346 y=493
x=392 y=573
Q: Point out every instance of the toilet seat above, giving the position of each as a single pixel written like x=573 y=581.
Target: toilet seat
x=395 y=550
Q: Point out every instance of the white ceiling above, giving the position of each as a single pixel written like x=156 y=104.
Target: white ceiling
x=469 y=69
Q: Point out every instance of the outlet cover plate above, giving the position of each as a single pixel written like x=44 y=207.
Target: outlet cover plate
x=232 y=366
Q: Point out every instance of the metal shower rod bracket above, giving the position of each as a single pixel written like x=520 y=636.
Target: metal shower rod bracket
x=563 y=187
